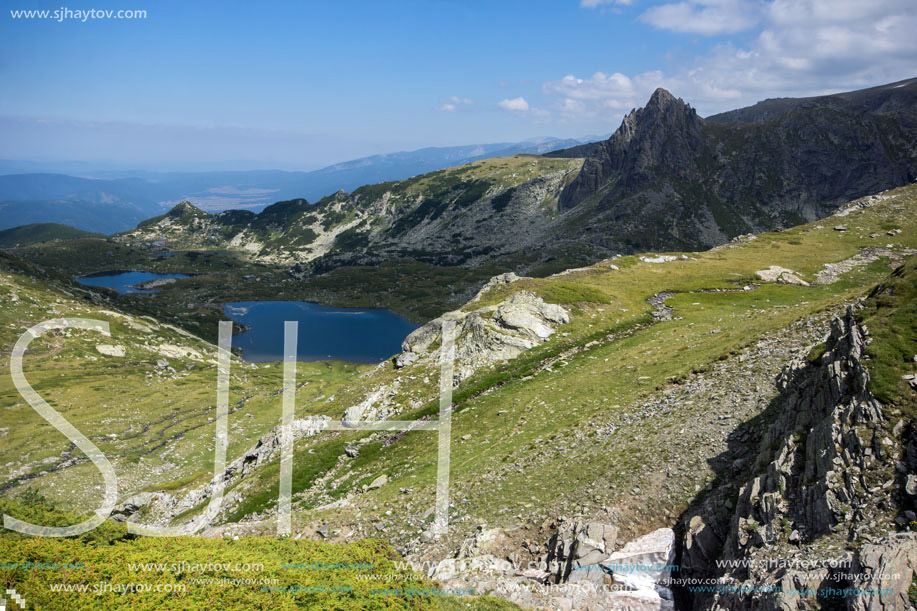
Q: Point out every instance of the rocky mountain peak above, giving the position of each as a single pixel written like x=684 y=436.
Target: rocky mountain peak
x=661 y=98
x=663 y=135
x=663 y=118
x=775 y=164
x=183 y=205
x=183 y=212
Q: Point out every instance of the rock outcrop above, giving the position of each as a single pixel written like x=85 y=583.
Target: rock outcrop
x=818 y=513
x=487 y=335
x=634 y=577
x=780 y=275
x=579 y=570
x=506 y=278
x=578 y=545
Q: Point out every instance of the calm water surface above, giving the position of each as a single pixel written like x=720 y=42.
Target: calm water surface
x=124 y=282
x=357 y=335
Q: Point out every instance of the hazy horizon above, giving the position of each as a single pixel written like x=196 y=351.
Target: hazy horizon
x=75 y=166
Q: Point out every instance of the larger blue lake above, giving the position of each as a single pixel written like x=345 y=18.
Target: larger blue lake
x=124 y=282
x=357 y=335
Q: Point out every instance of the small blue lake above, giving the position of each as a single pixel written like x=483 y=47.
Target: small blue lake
x=124 y=282
x=357 y=335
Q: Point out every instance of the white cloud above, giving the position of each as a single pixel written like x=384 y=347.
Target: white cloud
x=599 y=86
x=801 y=47
x=516 y=104
x=521 y=107
x=571 y=106
x=705 y=17
x=452 y=103
x=604 y=95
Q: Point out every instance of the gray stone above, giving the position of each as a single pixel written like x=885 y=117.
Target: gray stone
x=376 y=483
x=109 y=350
x=781 y=275
x=486 y=335
x=132 y=505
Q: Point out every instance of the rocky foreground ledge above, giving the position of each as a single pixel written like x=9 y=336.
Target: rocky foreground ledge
x=829 y=487
x=816 y=518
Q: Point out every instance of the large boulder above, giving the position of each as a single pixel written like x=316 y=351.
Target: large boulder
x=644 y=568
x=894 y=556
x=486 y=335
x=577 y=548
x=780 y=275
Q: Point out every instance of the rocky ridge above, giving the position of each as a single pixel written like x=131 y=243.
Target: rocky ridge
x=831 y=466
x=462 y=215
x=669 y=179
x=559 y=564
x=666 y=180
x=830 y=471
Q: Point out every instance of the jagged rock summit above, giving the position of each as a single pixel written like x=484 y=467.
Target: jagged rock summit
x=669 y=179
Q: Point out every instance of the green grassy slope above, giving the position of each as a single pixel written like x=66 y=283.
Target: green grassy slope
x=41 y=232
x=192 y=573
x=535 y=448
x=150 y=412
x=890 y=313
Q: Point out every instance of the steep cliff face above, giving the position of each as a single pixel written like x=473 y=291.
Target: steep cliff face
x=825 y=507
x=670 y=179
x=666 y=133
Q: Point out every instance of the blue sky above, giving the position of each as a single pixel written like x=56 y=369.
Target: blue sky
x=304 y=84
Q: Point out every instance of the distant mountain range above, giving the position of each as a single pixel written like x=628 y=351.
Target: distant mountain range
x=666 y=180
x=115 y=200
